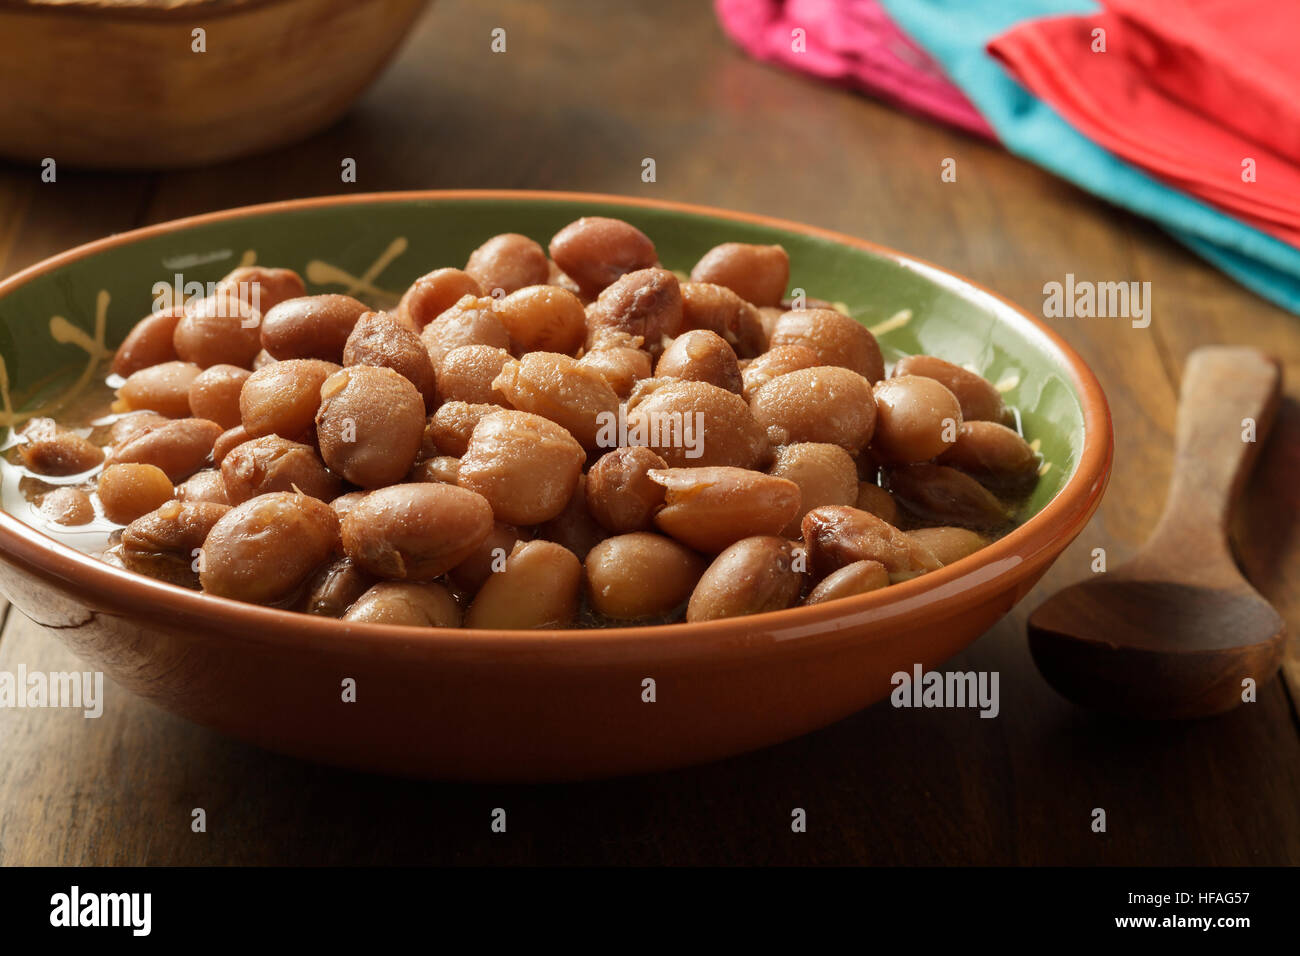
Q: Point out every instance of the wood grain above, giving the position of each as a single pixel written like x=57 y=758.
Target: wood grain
x=583 y=94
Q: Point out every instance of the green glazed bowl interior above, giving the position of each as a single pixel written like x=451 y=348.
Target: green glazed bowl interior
x=56 y=327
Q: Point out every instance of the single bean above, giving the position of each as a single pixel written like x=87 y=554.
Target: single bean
x=380 y=340
x=262 y=550
x=67 y=506
x=415 y=532
x=283 y=398
x=916 y=419
x=167 y=542
x=311 y=327
x=949 y=544
x=646 y=304
x=758 y=274
x=272 y=463
x=560 y=389
x=406 y=603
x=179 y=448
x=526 y=466
x=713 y=507
x=205 y=485
x=621 y=496
x=148 y=343
x=164 y=389
x=596 y=251
x=695 y=424
x=824 y=404
x=979 y=399
x=508 y=262
x=825 y=474
x=836 y=338
x=701 y=356
x=837 y=535
x=433 y=294
x=370 y=425
x=51 y=449
x=640 y=575
x=948 y=496
x=621 y=367
x=335 y=587
x=540 y=587
x=544 y=318
x=993 y=454
x=859 y=577
x=129 y=491
x=467 y=374
x=219 y=330
x=214 y=394
x=751 y=576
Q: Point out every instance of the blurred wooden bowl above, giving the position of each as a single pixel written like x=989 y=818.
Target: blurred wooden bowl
x=117 y=83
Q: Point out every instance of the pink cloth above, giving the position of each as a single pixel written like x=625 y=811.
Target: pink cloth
x=853 y=43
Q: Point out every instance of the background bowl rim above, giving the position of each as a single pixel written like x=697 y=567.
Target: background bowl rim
x=1060 y=519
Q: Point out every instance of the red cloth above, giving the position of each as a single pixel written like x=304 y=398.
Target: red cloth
x=1186 y=89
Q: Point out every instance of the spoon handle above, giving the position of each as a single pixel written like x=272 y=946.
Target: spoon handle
x=1229 y=399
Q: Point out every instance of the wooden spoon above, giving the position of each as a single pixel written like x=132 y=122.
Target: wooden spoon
x=1175 y=631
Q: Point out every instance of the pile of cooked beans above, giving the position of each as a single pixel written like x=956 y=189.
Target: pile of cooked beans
x=572 y=436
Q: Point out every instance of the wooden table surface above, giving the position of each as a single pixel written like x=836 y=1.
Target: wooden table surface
x=583 y=94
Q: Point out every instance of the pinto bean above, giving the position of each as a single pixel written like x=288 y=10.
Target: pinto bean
x=916 y=419
x=620 y=493
x=942 y=494
x=713 y=507
x=858 y=577
x=51 y=449
x=129 y=491
x=701 y=356
x=695 y=424
x=718 y=309
x=179 y=447
x=543 y=318
x=564 y=391
x=824 y=404
x=164 y=389
x=837 y=535
x=214 y=394
x=470 y=321
x=837 y=340
x=979 y=399
x=272 y=463
x=526 y=466
x=596 y=251
x=540 y=587
x=167 y=542
x=370 y=425
x=751 y=576
x=148 y=343
x=508 y=262
x=825 y=474
x=415 y=532
x=640 y=575
x=283 y=398
x=433 y=294
x=758 y=274
x=646 y=304
x=262 y=550
x=311 y=327
x=408 y=603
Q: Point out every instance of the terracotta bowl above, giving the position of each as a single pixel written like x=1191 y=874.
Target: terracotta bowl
x=119 y=83
x=536 y=705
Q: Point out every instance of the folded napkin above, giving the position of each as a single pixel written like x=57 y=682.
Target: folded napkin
x=853 y=43
x=956 y=32
x=1159 y=92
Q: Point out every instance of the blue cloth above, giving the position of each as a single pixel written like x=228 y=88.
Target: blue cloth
x=955 y=32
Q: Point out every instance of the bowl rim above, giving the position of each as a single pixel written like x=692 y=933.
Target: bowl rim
x=126 y=592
